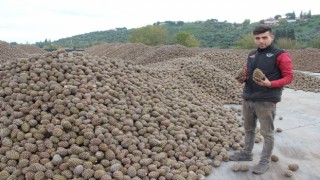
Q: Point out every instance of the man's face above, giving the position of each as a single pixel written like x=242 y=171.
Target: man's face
x=263 y=40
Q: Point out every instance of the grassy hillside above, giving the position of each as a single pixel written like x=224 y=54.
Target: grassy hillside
x=306 y=31
x=210 y=33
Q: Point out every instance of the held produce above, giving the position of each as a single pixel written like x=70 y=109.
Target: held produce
x=258 y=74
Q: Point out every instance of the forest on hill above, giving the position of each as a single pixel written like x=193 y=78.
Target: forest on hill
x=210 y=33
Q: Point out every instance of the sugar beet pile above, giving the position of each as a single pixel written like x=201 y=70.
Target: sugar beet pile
x=119 y=111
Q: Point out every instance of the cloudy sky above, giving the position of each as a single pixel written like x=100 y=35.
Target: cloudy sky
x=30 y=21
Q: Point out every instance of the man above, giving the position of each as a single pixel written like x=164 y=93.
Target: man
x=261 y=95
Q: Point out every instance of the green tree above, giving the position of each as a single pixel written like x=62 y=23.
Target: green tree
x=282 y=22
x=186 y=39
x=309 y=14
x=292 y=34
x=277 y=16
x=285 y=33
x=291 y=15
x=246 y=23
x=246 y=42
x=180 y=23
x=172 y=23
x=149 y=35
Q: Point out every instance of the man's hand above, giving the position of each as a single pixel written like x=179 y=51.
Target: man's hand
x=262 y=82
x=241 y=79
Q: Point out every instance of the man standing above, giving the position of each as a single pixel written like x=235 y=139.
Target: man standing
x=261 y=95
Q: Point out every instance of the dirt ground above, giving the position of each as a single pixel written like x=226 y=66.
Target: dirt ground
x=297 y=143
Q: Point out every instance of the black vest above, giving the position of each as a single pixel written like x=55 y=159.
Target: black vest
x=266 y=60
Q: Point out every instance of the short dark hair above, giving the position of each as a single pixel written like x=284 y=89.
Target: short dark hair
x=261 y=29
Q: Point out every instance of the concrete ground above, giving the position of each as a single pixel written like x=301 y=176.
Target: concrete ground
x=299 y=142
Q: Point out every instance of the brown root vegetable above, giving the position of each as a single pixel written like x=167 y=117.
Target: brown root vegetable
x=236 y=167
x=293 y=167
x=241 y=74
x=258 y=74
x=288 y=173
x=274 y=158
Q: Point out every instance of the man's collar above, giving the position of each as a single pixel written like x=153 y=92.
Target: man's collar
x=267 y=48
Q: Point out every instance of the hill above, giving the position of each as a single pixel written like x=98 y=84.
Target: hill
x=211 y=33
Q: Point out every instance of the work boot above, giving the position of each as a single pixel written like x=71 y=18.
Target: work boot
x=261 y=168
x=241 y=156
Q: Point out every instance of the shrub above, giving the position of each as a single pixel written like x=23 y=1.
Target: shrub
x=315 y=42
x=246 y=42
x=186 y=39
x=149 y=35
x=286 y=43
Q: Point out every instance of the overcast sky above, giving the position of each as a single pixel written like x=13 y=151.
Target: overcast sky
x=30 y=21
